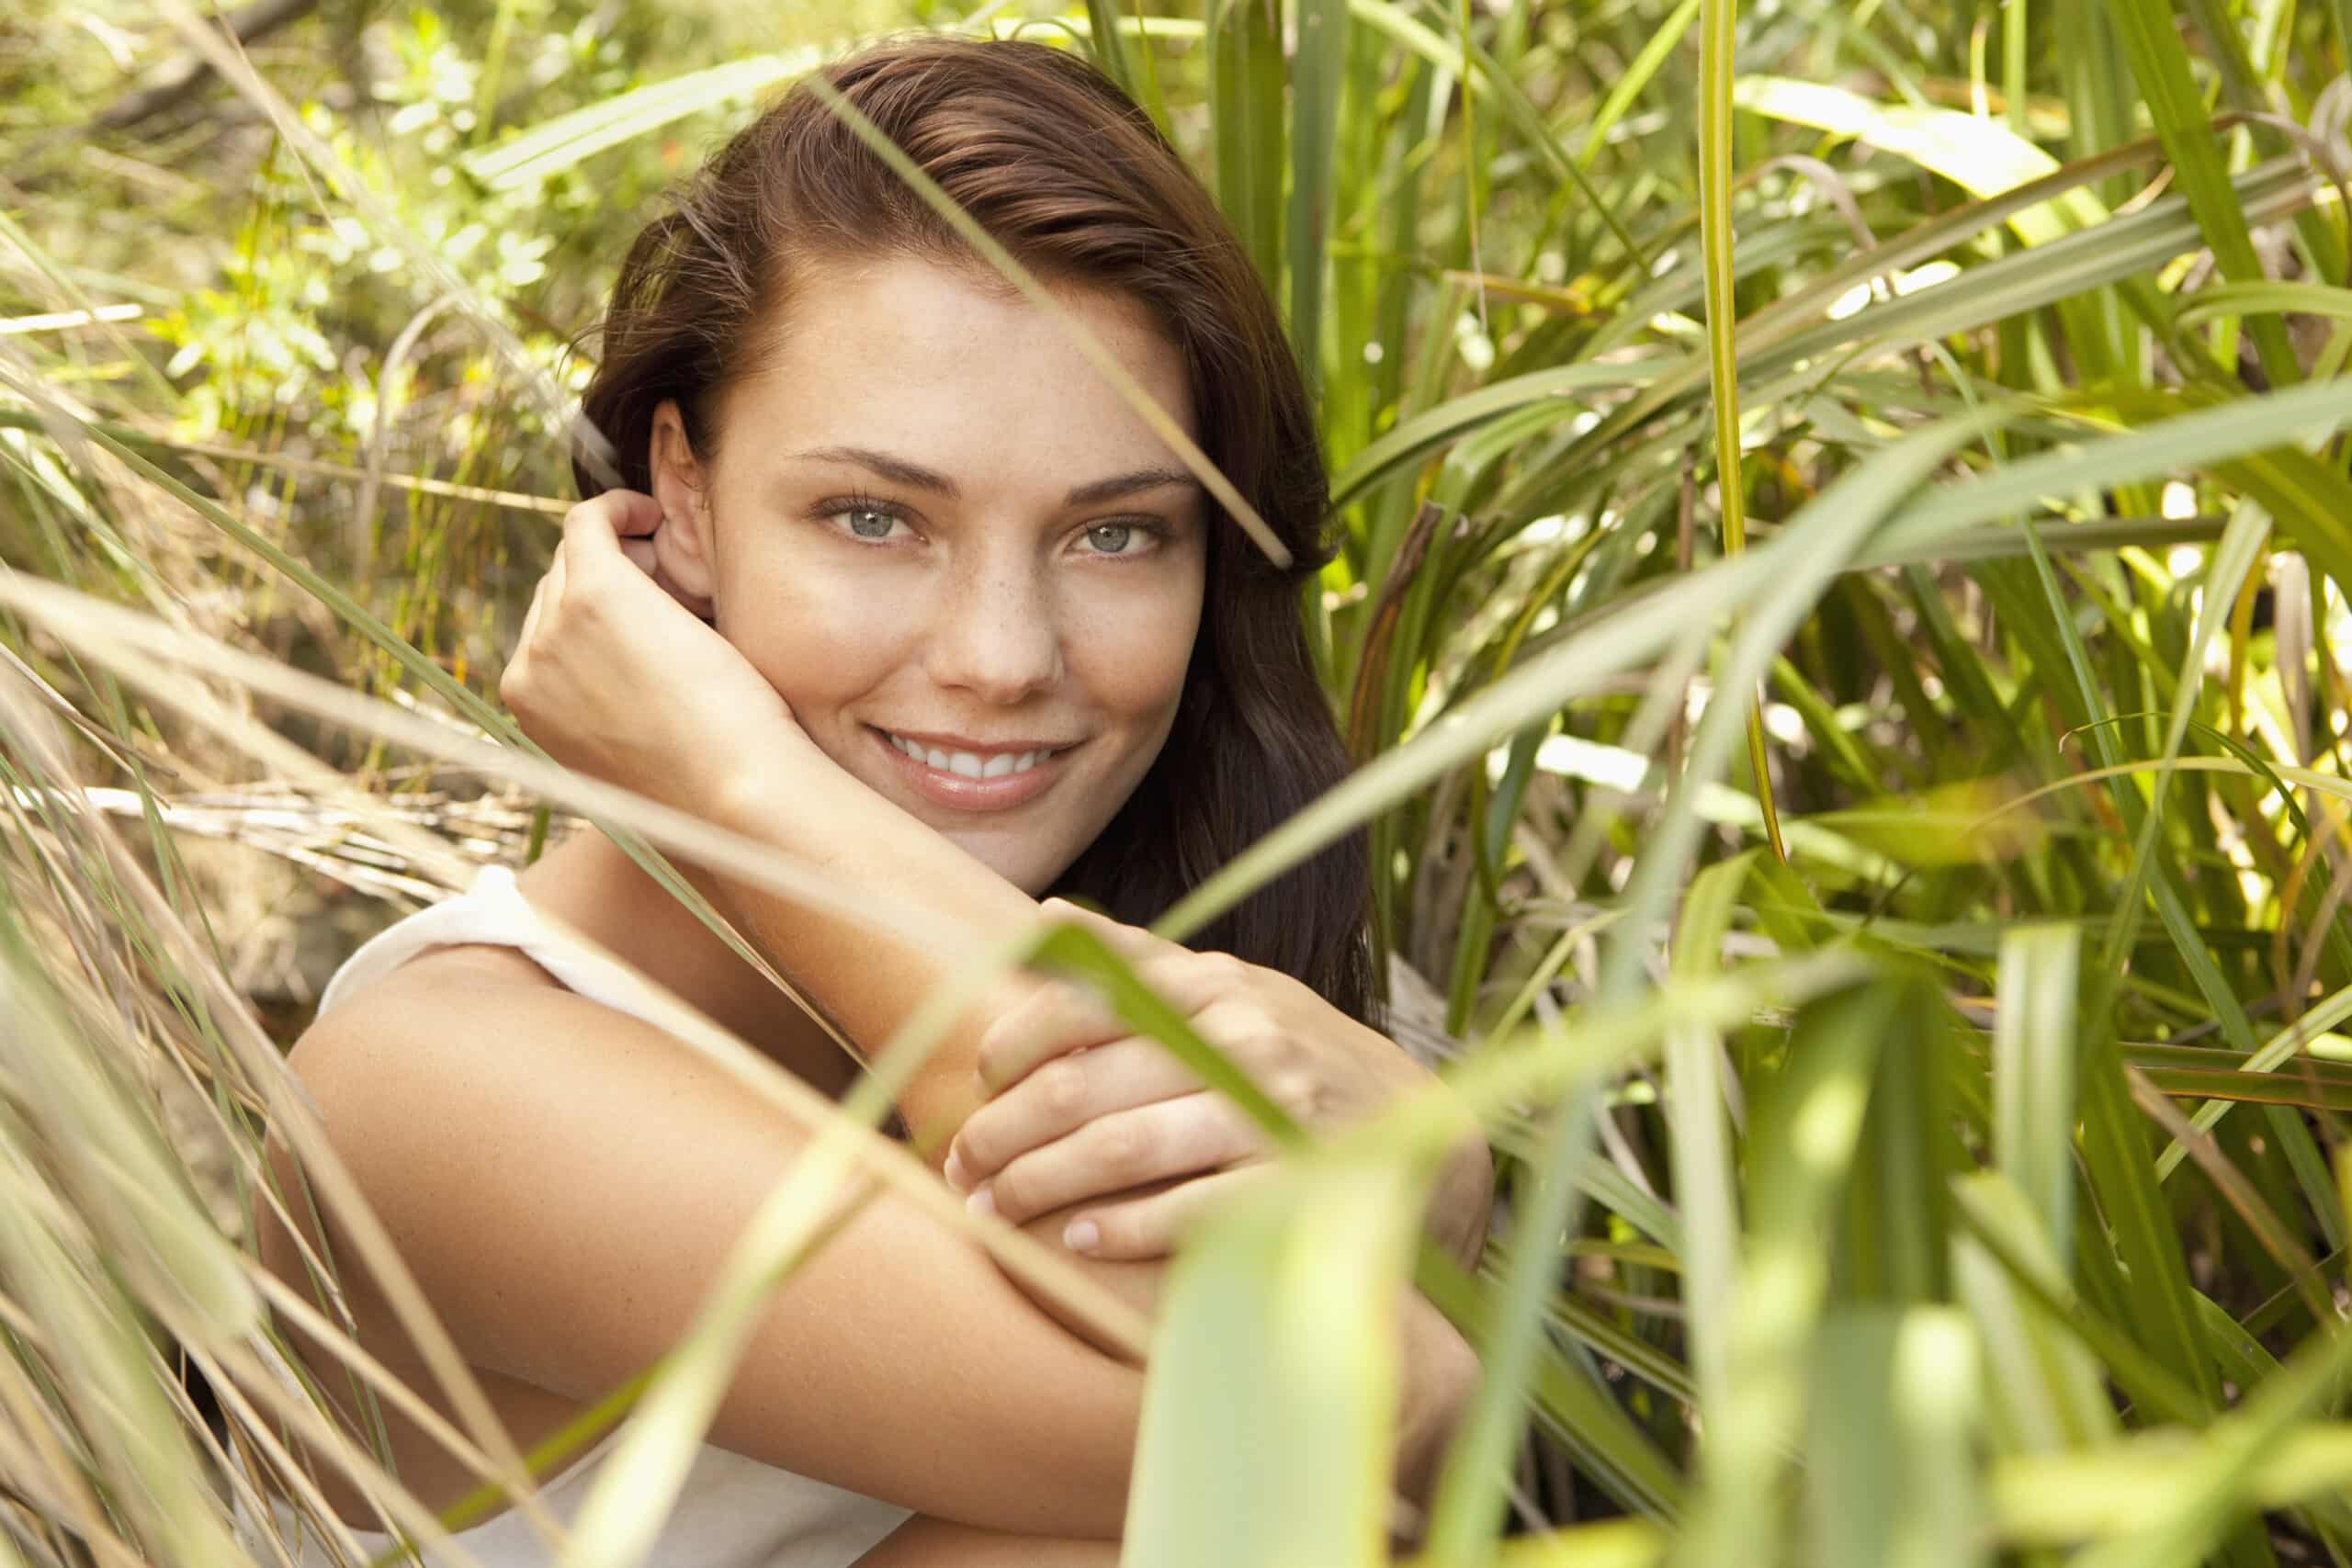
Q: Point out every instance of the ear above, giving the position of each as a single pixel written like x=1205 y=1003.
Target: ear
x=684 y=545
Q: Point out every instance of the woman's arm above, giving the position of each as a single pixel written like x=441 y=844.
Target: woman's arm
x=567 y=1199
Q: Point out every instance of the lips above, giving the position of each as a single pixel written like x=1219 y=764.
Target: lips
x=990 y=765
x=966 y=778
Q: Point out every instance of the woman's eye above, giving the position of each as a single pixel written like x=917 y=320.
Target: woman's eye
x=868 y=523
x=1113 y=539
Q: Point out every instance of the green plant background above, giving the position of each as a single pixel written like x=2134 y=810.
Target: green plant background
x=1912 y=1074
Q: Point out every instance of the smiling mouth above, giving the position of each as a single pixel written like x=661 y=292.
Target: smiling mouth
x=959 y=780
x=971 y=764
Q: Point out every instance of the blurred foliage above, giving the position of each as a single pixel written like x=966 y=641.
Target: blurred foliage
x=1965 y=1185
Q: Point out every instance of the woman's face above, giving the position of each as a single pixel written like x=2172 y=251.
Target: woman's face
x=969 y=567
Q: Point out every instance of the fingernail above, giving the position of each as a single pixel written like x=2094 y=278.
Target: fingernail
x=958 y=1176
x=981 y=1201
x=1082 y=1236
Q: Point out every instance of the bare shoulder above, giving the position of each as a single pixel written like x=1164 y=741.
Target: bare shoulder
x=568 y=1182
x=470 y=1095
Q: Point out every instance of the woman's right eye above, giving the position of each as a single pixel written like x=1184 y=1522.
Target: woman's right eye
x=866 y=521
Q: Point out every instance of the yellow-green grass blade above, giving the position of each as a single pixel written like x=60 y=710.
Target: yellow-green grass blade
x=1997 y=1218
x=2044 y=1390
x=1269 y=1409
x=128 y=1434
x=2266 y=297
x=1108 y=43
x=2116 y=251
x=566 y=141
x=1318 y=70
x=2113 y=1490
x=1786 y=333
x=1529 y=126
x=569 y=139
x=2033 y=1074
x=2160 y=64
x=1891 y=1472
x=1637 y=77
x=1809 y=1122
x=1702 y=1152
x=1608 y=1543
x=1718 y=34
x=1415 y=438
x=2232 y=561
x=2198 y=438
x=1246 y=125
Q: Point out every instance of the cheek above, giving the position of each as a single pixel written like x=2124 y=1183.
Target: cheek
x=1130 y=659
x=820 y=639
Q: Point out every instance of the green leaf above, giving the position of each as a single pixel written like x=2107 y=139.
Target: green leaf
x=1268 y=1408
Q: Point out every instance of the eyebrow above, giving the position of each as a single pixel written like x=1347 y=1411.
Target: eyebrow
x=900 y=471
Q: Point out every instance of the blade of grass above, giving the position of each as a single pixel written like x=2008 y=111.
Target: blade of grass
x=1718 y=36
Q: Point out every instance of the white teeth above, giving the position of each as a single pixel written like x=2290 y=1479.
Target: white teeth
x=965 y=764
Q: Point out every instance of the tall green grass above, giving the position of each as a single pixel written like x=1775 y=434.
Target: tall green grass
x=1913 y=1076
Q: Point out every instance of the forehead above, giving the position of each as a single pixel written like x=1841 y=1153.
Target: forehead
x=949 y=366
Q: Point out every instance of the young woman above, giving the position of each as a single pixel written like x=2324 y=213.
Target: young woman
x=895 y=583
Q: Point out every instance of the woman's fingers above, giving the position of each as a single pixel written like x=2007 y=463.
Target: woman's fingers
x=1061 y=1097
x=1140 y=1229
x=629 y=520
x=644 y=555
x=1059 y=1018
x=616 y=514
x=1129 y=942
x=1186 y=1136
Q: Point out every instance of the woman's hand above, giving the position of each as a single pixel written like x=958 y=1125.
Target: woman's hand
x=618 y=676
x=1078 y=1109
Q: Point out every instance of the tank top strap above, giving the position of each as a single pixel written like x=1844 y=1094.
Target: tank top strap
x=492 y=911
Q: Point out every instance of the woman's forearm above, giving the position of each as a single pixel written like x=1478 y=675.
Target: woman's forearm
x=871 y=978
x=868 y=976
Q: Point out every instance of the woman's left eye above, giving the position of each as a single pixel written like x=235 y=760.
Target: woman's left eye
x=1118 y=539
x=867 y=522
x=872 y=521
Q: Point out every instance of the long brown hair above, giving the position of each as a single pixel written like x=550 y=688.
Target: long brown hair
x=1050 y=158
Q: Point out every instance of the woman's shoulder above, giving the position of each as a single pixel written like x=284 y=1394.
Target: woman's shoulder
x=472 y=1100
x=438 y=994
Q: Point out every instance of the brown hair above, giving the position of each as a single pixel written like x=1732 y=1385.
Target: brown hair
x=1057 y=164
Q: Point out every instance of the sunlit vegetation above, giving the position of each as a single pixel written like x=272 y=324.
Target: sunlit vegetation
x=1846 y=528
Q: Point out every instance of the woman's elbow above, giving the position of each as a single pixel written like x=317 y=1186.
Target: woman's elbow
x=1441 y=1378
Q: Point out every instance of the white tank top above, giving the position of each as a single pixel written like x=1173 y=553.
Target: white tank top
x=732 y=1512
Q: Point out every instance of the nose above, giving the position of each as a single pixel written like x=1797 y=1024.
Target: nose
x=995 y=634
